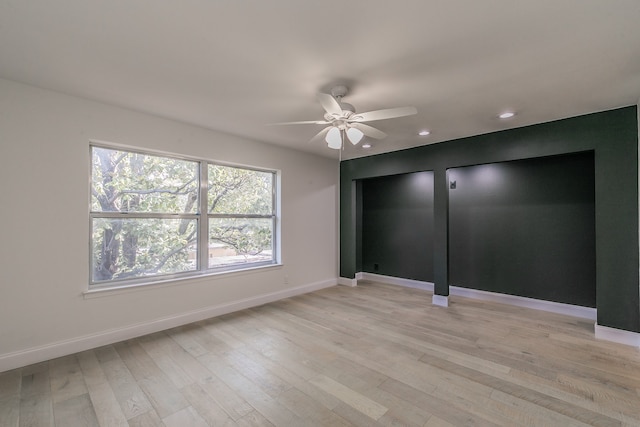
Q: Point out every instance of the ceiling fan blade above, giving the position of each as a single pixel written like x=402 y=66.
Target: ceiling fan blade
x=369 y=131
x=389 y=113
x=329 y=104
x=320 y=135
x=305 y=122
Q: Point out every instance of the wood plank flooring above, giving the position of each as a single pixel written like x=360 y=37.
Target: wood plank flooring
x=374 y=355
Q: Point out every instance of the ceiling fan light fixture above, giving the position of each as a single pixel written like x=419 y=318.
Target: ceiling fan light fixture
x=334 y=138
x=345 y=123
x=354 y=135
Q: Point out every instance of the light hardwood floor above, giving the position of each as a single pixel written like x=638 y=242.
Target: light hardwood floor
x=366 y=356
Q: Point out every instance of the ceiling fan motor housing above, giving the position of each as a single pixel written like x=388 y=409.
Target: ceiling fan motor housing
x=339 y=91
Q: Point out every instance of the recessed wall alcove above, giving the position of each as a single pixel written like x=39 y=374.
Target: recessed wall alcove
x=397 y=226
x=525 y=228
x=604 y=150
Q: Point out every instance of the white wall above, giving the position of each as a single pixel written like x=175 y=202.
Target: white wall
x=44 y=188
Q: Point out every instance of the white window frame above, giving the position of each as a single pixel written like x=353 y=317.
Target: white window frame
x=202 y=222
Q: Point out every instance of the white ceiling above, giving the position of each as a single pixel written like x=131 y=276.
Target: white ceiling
x=238 y=65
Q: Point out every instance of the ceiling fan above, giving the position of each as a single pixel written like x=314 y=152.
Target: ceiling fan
x=342 y=120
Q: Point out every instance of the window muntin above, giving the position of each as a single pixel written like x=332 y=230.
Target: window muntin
x=146 y=221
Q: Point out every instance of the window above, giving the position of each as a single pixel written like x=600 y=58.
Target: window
x=151 y=217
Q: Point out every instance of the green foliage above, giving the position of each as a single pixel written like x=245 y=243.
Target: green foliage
x=133 y=182
x=239 y=191
x=249 y=237
x=152 y=187
x=126 y=248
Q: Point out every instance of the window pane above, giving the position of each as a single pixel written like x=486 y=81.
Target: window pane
x=132 y=248
x=239 y=191
x=124 y=181
x=235 y=241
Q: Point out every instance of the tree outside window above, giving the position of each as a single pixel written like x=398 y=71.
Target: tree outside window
x=150 y=217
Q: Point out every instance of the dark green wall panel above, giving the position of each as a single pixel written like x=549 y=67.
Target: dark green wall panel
x=611 y=135
x=397 y=226
x=525 y=228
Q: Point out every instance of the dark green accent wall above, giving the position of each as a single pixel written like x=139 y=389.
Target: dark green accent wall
x=526 y=228
x=397 y=226
x=611 y=135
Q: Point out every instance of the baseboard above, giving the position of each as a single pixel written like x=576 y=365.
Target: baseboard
x=601 y=332
x=554 y=307
x=410 y=283
x=440 y=300
x=617 y=335
x=536 y=304
x=62 y=348
x=344 y=281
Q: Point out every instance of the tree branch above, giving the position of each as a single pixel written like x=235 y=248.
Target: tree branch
x=163 y=260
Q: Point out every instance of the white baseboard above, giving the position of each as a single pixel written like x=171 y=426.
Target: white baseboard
x=443 y=301
x=344 y=281
x=617 y=335
x=410 y=283
x=601 y=332
x=62 y=348
x=440 y=300
x=554 y=307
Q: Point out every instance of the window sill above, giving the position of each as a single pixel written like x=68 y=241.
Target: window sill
x=104 y=291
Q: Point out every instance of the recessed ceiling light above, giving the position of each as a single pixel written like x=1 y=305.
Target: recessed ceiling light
x=424 y=132
x=366 y=145
x=507 y=115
